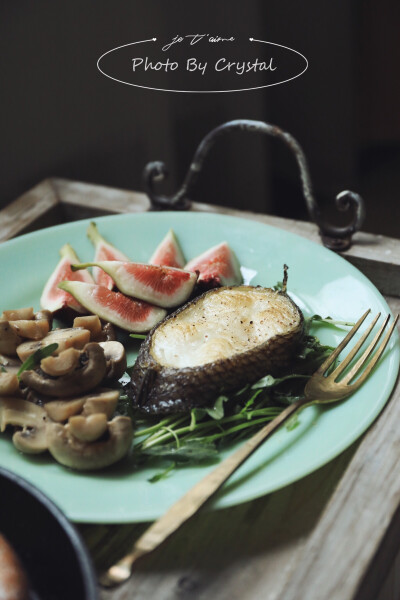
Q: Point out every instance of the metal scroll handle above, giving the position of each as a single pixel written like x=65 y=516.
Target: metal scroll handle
x=334 y=237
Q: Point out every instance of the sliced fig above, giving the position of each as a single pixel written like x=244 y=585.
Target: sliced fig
x=162 y=286
x=168 y=253
x=217 y=343
x=216 y=266
x=55 y=299
x=131 y=315
x=103 y=251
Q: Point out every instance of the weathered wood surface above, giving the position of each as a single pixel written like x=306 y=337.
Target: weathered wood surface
x=334 y=534
x=244 y=552
x=31 y=210
x=378 y=257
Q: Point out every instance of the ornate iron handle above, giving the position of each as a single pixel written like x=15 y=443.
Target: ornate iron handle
x=334 y=237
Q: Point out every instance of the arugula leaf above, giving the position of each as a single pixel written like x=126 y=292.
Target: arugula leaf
x=34 y=359
x=269 y=381
x=318 y=320
x=293 y=422
x=192 y=451
x=162 y=474
x=191 y=438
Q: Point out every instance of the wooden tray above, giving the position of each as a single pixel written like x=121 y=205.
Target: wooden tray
x=333 y=535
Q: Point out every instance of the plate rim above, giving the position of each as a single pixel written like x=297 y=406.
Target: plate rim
x=221 y=500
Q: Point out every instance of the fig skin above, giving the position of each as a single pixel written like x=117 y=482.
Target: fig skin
x=217 y=266
x=168 y=252
x=104 y=250
x=160 y=389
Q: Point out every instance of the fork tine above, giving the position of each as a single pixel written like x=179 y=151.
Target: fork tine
x=332 y=357
x=356 y=367
x=367 y=353
x=340 y=368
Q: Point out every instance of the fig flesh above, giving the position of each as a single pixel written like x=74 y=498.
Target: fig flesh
x=217 y=266
x=162 y=286
x=132 y=315
x=168 y=253
x=218 y=342
x=104 y=250
x=55 y=299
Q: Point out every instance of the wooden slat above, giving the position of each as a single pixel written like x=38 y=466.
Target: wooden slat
x=326 y=536
x=350 y=552
x=83 y=200
x=231 y=553
x=29 y=211
x=377 y=256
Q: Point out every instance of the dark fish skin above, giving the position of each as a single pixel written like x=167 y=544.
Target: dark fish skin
x=158 y=389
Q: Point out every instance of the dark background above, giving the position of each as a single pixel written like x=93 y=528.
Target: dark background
x=61 y=117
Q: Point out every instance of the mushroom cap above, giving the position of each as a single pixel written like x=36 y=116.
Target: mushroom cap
x=100 y=400
x=64 y=363
x=32 y=418
x=65 y=338
x=9 y=384
x=10 y=363
x=76 y=382
x=9 y=339
x=44 y=314
x=90 y=322
x=116 y=359
x=83 y=456
x=88 y=429
x=61 y=410
x=31 y=440
x=108 y=332
x=17 y=313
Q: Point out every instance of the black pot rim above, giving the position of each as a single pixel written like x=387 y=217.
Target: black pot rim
x=84 y=560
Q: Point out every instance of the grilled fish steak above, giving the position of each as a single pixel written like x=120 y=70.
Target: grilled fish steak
x=216 y=343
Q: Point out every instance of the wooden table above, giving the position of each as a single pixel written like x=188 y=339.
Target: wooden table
x=333 y=535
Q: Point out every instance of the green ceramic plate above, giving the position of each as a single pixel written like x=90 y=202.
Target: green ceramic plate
x=320 y=281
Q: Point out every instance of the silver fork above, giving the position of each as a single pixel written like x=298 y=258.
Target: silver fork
x=321 y=388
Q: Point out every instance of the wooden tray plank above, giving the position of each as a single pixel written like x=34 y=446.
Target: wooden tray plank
x=298 y=543
x=30 y=211
x=82 y=200
x=230 y=553
x=378 y=257
x=350 y=553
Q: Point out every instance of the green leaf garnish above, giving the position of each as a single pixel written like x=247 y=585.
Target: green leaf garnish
x=199 y=435
x=34 y=359
x=192 y=451
x=318 y=320
x=138 y=336
x=3 y=370
x=293 y=422
x=163 y=474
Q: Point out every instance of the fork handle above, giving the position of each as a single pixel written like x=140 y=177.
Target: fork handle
x=192 y=501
